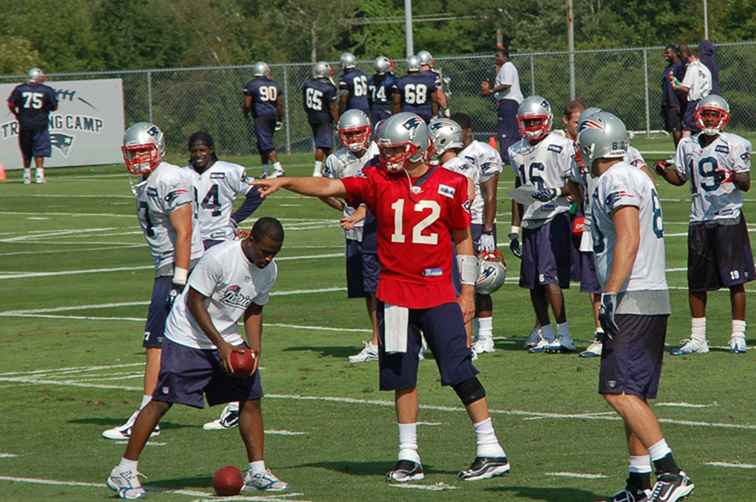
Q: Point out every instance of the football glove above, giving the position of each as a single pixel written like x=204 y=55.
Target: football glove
x=606 y=314
x=514 y=245
x=545 y=195
x=724 y=176
x=661 y=166
x=279 y=125
x=175 y=291
x=487 y=243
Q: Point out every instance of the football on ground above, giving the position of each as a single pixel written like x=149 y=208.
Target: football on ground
x=228 y=481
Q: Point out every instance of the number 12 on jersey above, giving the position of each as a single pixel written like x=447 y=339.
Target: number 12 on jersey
x=417 y=231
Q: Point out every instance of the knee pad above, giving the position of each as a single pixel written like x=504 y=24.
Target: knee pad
x=469 y=391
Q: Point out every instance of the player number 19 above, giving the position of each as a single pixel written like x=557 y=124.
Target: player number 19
x=417 y=231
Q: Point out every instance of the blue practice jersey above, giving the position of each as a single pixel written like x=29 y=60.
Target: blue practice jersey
x=33 y=103
x=264 y=93
x=354 y=82
x=317 y=96
x=415 y=90
x=380 y=92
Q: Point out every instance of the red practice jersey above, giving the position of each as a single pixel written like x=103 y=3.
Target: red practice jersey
x=415 y=227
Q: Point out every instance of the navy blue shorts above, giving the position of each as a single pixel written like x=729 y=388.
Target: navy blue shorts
x=264 y=128
x=546 y=254
x=631 y=363
x=507 y=130
x=444 y=329
x=588 y=278
x=186 y=374
x=376 y=115
x=322 y=135
x=689 y=119
x=671 y=119
x=719 y=256
x=362 y=270
x=34 y=143
x=157 y=313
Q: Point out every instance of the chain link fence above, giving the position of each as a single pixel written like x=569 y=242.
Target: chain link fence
x=624 y=81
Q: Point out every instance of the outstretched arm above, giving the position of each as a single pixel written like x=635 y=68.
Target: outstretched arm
x=316 y=187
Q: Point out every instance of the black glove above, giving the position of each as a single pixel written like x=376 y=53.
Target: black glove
x=545 y=195
x=606 y=314
x=175 y=291
x=514 y=245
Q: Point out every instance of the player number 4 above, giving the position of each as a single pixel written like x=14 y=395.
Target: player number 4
x=417 y=231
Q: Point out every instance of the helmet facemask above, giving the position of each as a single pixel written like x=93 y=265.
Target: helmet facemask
x=534 y=127
x=716 y=118
x=395 y=157
x=141 y=160
x=356 y=139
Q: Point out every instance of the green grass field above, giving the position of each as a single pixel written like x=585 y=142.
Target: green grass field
x=75 y=280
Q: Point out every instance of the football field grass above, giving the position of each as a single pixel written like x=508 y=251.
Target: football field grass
x=75 y=281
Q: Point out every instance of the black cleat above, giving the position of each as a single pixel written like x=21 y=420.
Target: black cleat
x=630 y=494
x=404 y=471
x=670 y=487
x=484 y=468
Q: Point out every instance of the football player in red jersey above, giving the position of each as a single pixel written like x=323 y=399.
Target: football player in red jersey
x=422 y=213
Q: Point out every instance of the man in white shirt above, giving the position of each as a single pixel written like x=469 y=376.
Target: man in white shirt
x=506 y=91
x=697 y=85
x=232 y=280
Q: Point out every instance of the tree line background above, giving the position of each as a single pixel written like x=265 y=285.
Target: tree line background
x=87 y=35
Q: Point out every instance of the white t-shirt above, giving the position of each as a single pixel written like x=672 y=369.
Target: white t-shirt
x=231 y=282
x=698 y=80
x=508 y=75
x=710 y=199
x=217 y=187
x=547 y=164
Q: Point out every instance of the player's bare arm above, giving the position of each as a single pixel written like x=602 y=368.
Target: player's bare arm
x=742 y=181
x=253 y=330
x=667 y=172
x=464 y=247
x=627 y=224
x=434 y=103
x=279 y=109
x=196 y=302
x=396 y=104
x=343 y=100
x=334 y=109
x=348 y=223
x=488 y=190
x=181 y=221
x=247 y=105
x=317 y=187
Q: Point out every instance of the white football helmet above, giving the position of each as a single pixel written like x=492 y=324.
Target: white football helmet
x=354 y=130
x=534 y=108
x=36 y=75
x=347 y=60
x=491 y=276
x=413 y=64
x=143 y=148
x=382 y=65
x=406 y=134
x=321 y=69
x=261 y=69
x=446 y=134
x=426 y=59
x=718 y=105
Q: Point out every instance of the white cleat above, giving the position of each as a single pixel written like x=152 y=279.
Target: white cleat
x=263 y=481
x=593 y=350
x=229 y=418
x=39 y=180
x=123 y=432
x=278 y=172
x=691 y=347
x=126 y=484
x=541 y=346
x=561 y=344
x=533 y=338
x=482 y=345
x=27 y=179
x=738 y=345
x=368 y=353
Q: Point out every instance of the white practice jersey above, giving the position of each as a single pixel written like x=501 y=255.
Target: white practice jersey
x=343 y=163
x=625 y=185
x=217 y=188
x=710 y=199
x=167 y=188
x=466 y=168
x=231 y=283
x=698 y=80
x=547 y=164
x=582 y=176
x=487 y=162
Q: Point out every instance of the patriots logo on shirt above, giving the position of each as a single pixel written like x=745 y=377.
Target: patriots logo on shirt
x=615 y=197
x=174 y=194
x=62 y=142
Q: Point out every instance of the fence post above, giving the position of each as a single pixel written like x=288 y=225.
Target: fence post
x=645 y=87
x=149 y=96
x=286 y=109
x=532 y=75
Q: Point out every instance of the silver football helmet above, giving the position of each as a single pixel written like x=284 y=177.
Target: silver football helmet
x=347 y=60
x=446 y=134
x=354 y=130
x=602 y=136
x=534 y=108
x=718 y=105
x=591 y=110
x=36 y=75
x=382 y=65
x=143 y=148
x=425 y=58
x=413 y=64
x=261 y=69
x=403 y=138
x=321 y=69
x=491 y=276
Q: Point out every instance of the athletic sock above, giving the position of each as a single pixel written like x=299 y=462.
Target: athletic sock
x=233 y=406
x=639 y=470
x=257 y=467
x=145 y=399
x=738 y=328
x=698 y=329
x=487 y=445
x=563 y=330
x=128 y=465
x=266 y=170
x=408 y=442
x=661 y=456
x=485 y=328
x=317 y=172
x=547 y=332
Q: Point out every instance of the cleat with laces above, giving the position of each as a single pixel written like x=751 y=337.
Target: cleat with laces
x=123 y=432
x=126 y=484
x=738 y=345
x=264 y=481
x=691 y=347
x=485 y=468
x=482 y=345
x=560 y=345
x=593 y=350
x=278 y=172
x=540 y=347
x=229 y=418
x=404 y=471
x=368 y=353
x=534 y=337
x=671 y=487
x=629 y=494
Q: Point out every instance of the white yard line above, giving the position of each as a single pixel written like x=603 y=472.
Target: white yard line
x=686 y=405
x=78 y=250
x=285 y=433
x=735 y=465
x=436 y=487
x=8 y=455
x=578 y=475
x=55 y=233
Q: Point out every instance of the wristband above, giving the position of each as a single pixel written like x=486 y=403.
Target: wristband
x=468 y=269
x=180 y=275
x=514 y=230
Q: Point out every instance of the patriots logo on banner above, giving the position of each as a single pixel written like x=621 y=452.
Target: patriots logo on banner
x=62 y=142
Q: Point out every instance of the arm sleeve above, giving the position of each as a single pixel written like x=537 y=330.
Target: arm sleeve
x=681 y=165
x=252 y=200
x=459 y=215
x=359 y=190
x=621 y=192
x=206 y=275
